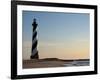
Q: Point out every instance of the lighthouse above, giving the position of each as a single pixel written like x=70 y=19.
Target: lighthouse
x=34 y=51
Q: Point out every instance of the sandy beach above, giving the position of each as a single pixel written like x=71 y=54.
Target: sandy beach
x=53 y=62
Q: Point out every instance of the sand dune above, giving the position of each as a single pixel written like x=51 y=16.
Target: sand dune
x=54 y=62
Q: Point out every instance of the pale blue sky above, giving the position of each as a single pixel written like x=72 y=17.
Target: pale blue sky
x=56 y=26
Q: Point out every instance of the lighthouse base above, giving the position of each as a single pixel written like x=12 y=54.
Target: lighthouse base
x=34 y=56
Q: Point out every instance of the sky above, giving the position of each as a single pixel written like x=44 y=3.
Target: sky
x=60 y=35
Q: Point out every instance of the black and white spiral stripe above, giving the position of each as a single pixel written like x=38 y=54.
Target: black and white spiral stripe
x=34 y=41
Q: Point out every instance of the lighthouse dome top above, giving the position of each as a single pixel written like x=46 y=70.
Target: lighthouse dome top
x=34 y=19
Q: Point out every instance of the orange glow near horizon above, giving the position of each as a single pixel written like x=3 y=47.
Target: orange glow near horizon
x=64 y=51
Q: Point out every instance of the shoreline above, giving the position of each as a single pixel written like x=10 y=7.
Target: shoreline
x=54 y=62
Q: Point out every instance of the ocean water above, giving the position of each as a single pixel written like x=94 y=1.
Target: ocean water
x=77 y=63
